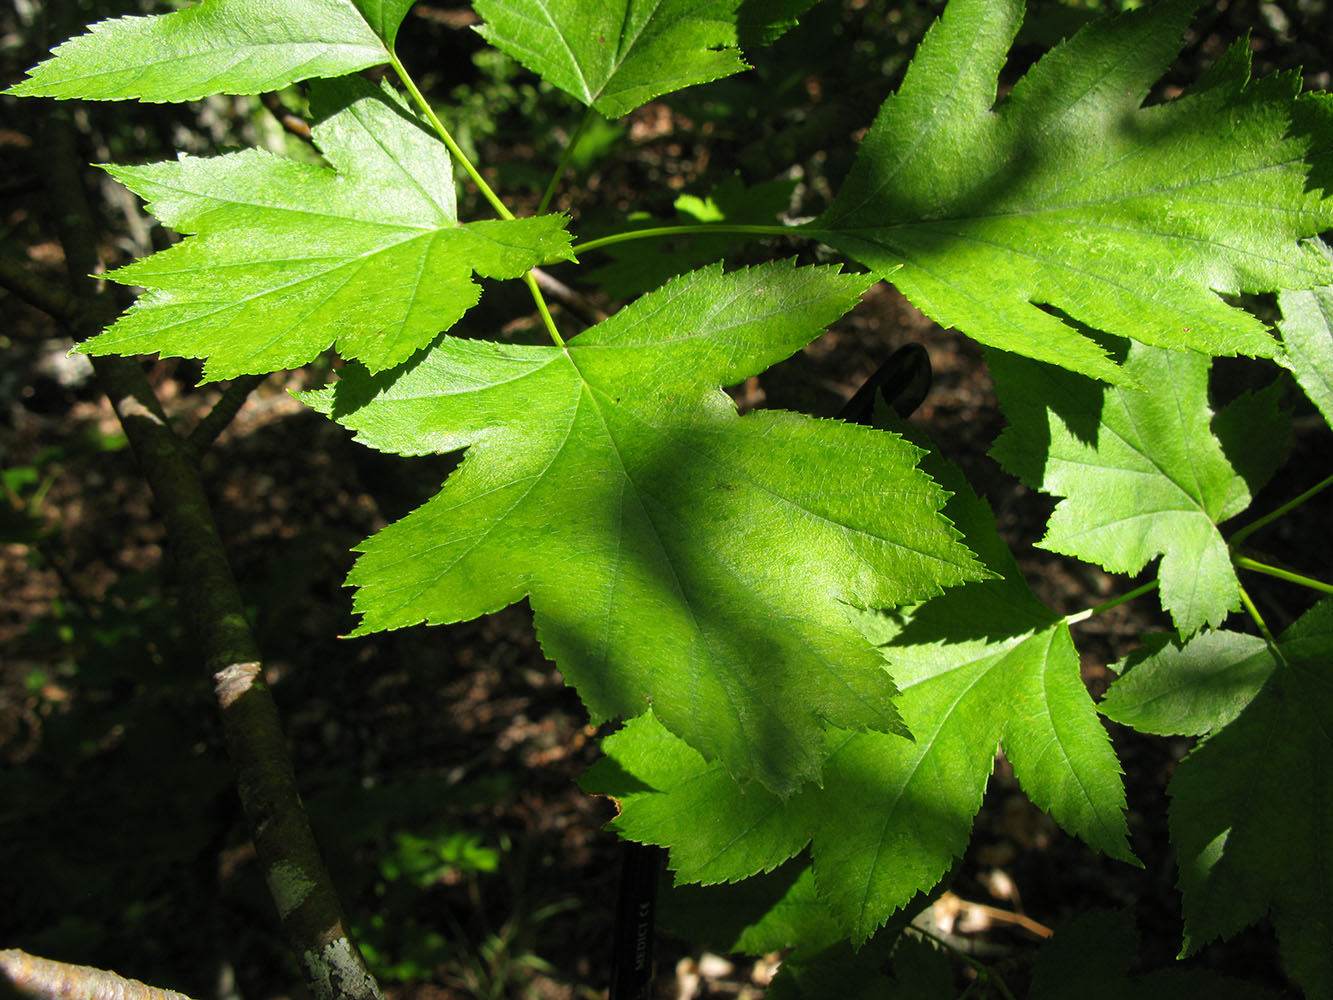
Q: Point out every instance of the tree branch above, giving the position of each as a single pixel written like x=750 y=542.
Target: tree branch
x=578 y=304
x=292 y=123
x=308 y=907
x=51 y=299
x=42 y=979
x=224 y=410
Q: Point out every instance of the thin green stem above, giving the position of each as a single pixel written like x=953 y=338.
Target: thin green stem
x=696 y=229
x=982 y=969
x=563 y=163
x=1290 y=505
x=501 y=209
x=1258 y=620
x=531 y=282
x=1087 y=613
x=1245 y=562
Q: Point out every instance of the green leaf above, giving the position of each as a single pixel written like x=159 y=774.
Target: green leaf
x=1251 y=811
x=615 y=55
x=1307 y=334
x=1068 y=202
x=218 y=47
x=918 y=971
x=1141 y=470
x=1091 y=958
x=798 y=923
x=1254 y=430
x=762 y=22
x=1189 y=688
x=982 y=665
x=689 y=559
x=656 y=778
x=779 y=911
x=287 y=257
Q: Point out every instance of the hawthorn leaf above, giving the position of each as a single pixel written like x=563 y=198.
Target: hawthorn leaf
x=1092 y=957
x=1307 y=334
x=287 y=258
x=663 y=776
x=1140 y=469
x=612 y=483
x=897 y=967
x=1069 y=203
x=798 y=923
x=982 y=665
x=218 y=47
x=757 y=916
x=615 y=55
x=762 y=22
x=1251 y=811
x=1254 y=430
x=1189 y=688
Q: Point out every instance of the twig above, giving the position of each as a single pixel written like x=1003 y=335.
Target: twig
x=42 y=979
x=51 y=299
x=293 y=123
x=308 y=907
x=224 y=410
x=576 y=303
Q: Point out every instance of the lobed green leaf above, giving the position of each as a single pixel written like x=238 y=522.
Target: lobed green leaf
x=1189 y=688
x=1140 y=469
x=1070 y=204
x=690 y=560
x=615 y=55
x=218 y=47
x=982 y=665
x=1251 y=810
x=1307 y=334
x=287 y=258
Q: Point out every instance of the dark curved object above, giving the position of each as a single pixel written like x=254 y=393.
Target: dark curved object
x=636 y=917
x=904 y=379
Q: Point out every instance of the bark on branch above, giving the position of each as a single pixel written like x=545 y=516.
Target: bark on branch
x=308 y=907
x=42 y=979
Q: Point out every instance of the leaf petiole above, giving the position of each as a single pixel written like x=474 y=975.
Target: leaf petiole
x=1245 y=562
x=530 y=280
x=563 y=163
x=487 y=192
x=1290 y=505
x=983 y=971
x=696 y=229
x=1087 y=613
x=1258 y=620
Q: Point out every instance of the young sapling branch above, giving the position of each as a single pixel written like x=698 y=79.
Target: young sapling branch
x=224 y=410
x=542 y=308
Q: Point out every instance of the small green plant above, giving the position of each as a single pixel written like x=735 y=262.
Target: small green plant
x=812 y=629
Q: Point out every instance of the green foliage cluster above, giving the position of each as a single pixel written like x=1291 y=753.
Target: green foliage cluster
x=812 y=629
